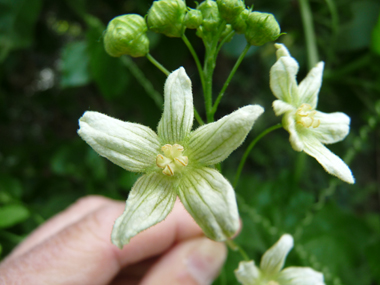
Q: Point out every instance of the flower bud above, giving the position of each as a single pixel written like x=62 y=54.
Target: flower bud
x=239 y=24
x=193 y=19
x=126 y=34
x=230 y=9
x=211 y=16
x=261 y=28
x=167 y=17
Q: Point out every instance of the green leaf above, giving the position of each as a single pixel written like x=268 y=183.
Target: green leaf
x=357 y=33
x=96 y=164
x=10 y=188
x=11 y=215
x=109 y=73
x=74 y=68
x=17 y=22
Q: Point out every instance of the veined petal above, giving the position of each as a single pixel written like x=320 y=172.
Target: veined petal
x=280 y=107
x=289 y=124
x=247 y=273
x=274 y=258
x=283 y=80
x=149 y=202
x=330 y=162
x=214 y=142
x=310 y=86
x=210 y=200
x=300 y=276
x=333 y=127
x=178 y=115
x=133 y=147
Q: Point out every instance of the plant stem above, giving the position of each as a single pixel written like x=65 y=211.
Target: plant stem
x=249 y=148
x=235 y=247
x=196 y=59
x=209 y=67
x=226 y=38
x=198 y=118
x=311 y=43
x=145 y=83
x=157 y=64
x=232 y=73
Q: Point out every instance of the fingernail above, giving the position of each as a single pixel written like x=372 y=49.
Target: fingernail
x=205 y=260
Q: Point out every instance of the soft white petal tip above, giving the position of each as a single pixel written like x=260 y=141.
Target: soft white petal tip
x=286 y=240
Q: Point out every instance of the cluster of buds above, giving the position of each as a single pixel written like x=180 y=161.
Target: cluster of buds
x=258 y=28
x=127 y=34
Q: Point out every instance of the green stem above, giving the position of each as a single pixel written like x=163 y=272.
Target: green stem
x=157 y=64
x=196 y=59
x=226 y=38
x=145 y=83
x=248 y=150
x=232 y=73
x=198 y=118
x=209 y=67
x=311 y=43
x=235 y=247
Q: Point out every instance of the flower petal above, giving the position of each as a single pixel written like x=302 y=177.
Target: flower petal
x=289 y=124
x=178 y=115
x=283 y=80
x=274 y=258
x=132 y=146
x=330 y=162
x=281 y=50
x=247 y=272
x=210 y=200
x=280 y=107
x=309 y=87
x=300 y=276
x=333 y=127
x=214 y=142
x=149 y=202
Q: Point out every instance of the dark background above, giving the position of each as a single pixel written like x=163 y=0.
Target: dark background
x=53 y=68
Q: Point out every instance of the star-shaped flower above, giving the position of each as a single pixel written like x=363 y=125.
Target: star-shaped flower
x=309 y=129
x=270 y=272
x=174 y=161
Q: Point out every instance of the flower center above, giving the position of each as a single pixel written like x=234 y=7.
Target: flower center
x=172 y=160
x=305 y=116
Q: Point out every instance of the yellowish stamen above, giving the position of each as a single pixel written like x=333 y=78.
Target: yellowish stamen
x=305 y=116
x=172 y=161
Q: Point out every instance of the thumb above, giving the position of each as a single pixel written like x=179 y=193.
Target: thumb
x=192 y=262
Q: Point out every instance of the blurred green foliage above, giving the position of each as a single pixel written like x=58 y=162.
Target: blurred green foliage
x=53 y=68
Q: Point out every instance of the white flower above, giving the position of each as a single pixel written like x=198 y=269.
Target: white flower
x=309 y=129
x=174 y=161
x=270 y=272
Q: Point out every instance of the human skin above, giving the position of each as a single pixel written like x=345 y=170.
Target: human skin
x=74 y=247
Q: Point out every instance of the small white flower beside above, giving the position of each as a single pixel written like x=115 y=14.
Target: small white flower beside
x=309 y=129
x=175 y=162
x=270 y=272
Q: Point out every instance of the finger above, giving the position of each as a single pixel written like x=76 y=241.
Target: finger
x=83 y=254
x=192 y=262
x=74 y=213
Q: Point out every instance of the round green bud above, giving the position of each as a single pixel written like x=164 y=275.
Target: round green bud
x=211 y=16
x=193 y=19
x=126 y=34
x=239 y=24
x=261 y=28
x=230 y=9
x=167 y=17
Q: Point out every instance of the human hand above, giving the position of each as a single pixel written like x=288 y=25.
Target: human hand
x=74 y=247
